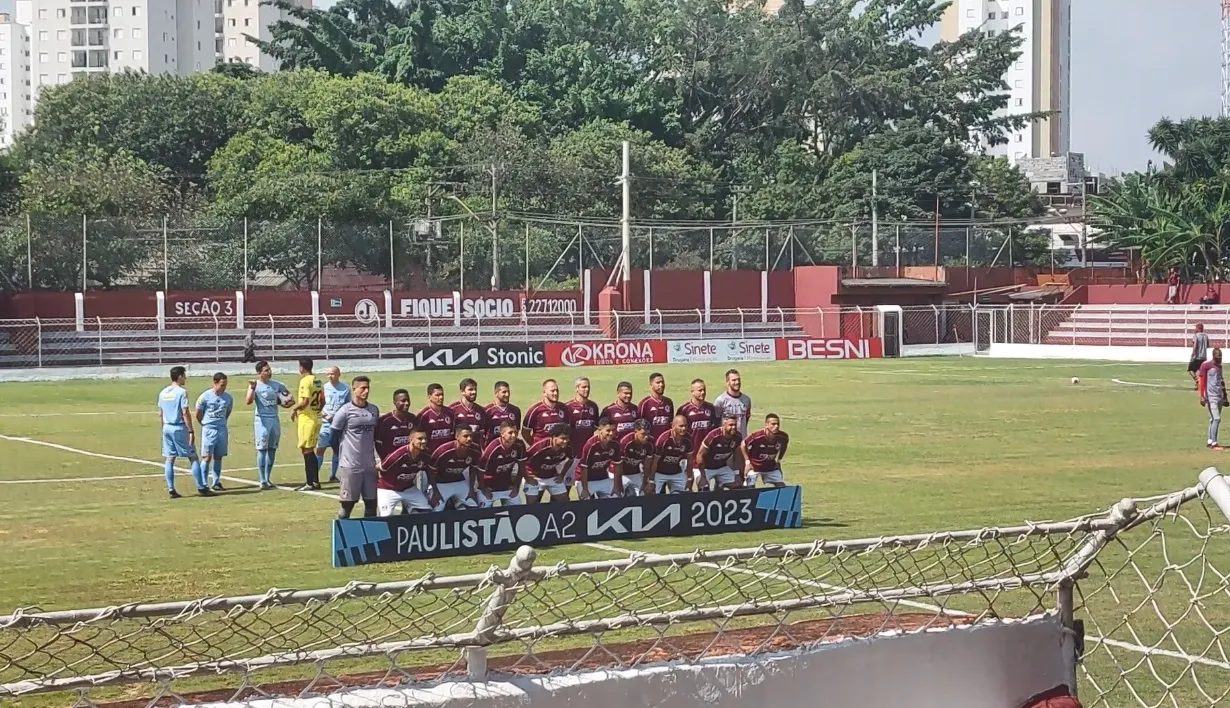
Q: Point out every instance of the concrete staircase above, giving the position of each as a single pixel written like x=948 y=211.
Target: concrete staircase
x=1141 y=325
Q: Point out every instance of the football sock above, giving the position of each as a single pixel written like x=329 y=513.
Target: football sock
x=198 y=474
x=170 y=473
x=217 y=470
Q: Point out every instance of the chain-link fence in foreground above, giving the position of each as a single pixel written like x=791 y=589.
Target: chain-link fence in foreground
x=1141 y=590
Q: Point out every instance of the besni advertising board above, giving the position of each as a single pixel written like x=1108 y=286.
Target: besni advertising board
x=696 y=351
x=795 y=349
x=650 y=351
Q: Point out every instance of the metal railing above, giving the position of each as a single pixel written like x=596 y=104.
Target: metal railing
x=1106 y=325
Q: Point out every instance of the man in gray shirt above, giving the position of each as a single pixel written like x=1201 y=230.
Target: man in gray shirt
x=354 y=425
x=1212 y=386
x=1200 y=349
x=734 y=402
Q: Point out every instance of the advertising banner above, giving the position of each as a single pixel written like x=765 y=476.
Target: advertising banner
x=607 y=353
x=513 y=355
x=697 y=351
x=793 y=349
x=504 y=529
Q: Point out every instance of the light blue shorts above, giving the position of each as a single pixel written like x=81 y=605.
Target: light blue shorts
x=175 y=442
x=215 y=441
x=268 y=434
x=325 y=441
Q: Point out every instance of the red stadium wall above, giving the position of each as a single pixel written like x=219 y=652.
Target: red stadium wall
x=815 y=287
x=1149 y=294
x=685 y=289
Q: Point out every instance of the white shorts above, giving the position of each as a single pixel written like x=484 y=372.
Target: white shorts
x=508 y=498
x=772 y=476
x=722 y=475
x=634 y=484
x=676 y=483
x=454 y=491
x=602 y=488
x=551 y=485
x=388 y=501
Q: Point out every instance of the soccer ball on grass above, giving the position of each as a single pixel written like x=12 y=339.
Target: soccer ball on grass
x=1075 y=380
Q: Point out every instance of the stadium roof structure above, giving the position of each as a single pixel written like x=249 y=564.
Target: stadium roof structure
x=892 y=283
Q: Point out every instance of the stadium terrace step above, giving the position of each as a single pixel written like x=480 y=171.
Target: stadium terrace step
x=1139 y=325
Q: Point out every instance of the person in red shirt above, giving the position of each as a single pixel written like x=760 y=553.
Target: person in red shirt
x=501 y=410
x=763 y=451
x=656 y=408
x=701 y=418
x=452 y=481
x=1172 y=287
x=715 y=456
x=583 y=417
x=397 y=485
x=599 y=460
x=622 y=413
x=436 y=418
x=466 y=411
x=672 y=458
x=636 y=449
x=544 y=414
x=545 y=461
x=500 y=466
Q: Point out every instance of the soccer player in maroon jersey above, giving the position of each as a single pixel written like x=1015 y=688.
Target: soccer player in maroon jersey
x=636 y=449
x=544 y=414
x=501 y=411
x=545 y=462
x=715 y=456
x=397 y=485
x=702 y=418
x=436 y=418
x=583 y=417
x=500 y=463
x=598 y=462
x=656 y=408
x=451 y=479
x=393 y=428
x=467 y=411
x=672 y=458
x=763 y=451
x=622 y=412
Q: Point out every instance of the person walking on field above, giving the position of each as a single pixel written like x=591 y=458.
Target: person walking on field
x=1200 y=350
x=1212 y=387
x=355 y=423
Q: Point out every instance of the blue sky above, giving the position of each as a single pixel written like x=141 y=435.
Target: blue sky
x=1133 y=61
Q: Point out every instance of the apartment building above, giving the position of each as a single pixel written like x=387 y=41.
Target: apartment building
x=68 y=39
x=1040 y=80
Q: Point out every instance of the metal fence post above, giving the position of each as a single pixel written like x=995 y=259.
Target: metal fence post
x=507 y=584
x=325 y=318
x=98 y=320
x=742 y=331
x=428 y=329
x=39 y=324
x=661 y=327
x=782 y=316
x=217 y=341
x=1068 y=642
x=273 y=340
x=700 y=323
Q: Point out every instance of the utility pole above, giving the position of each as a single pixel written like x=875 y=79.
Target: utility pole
x=875 y=223
x=495 y=229
x=626 y=222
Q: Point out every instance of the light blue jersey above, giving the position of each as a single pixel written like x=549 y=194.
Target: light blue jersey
x=175 y=443
x=336 y=396
x=215 y=437
x=268 y=426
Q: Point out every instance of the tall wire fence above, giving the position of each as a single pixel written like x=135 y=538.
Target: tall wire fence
x=1139 y=594
x=474 y=251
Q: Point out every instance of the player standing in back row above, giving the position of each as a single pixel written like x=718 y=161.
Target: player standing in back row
x=656 y=408
x=701 y=419
x=1212 y=386
x=178 y=437
x=337 y=394
x=213 y=410
x=1200 y=350
x=502 y=411
x=466 y=411
x=306 y=414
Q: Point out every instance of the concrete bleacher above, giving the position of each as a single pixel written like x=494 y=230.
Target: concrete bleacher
x=1140 y=325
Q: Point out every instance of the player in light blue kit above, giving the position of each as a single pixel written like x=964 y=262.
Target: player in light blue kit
x=337 y=394
x=178 y=437
x=213 y=410
x=268 y=395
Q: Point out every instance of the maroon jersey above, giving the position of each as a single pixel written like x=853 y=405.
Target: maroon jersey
x=498 y=464
x=624 y=417
x=718 y=449
x=583 y=417
x=671 y=453
x=635 y=453
x=598 y=459
x=764 y=453
x=392 y=433
x=701 y=419
x=438 y=424
x=497 y=414
x=658 y=413
x=401 y=469
x=539 y=419
x=452 y=462
x=543 y=461
x=474 y=416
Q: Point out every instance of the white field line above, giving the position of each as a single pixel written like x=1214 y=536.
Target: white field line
x=68 y=480
x=712 y=566
x=67 y=414
x=1121 y=382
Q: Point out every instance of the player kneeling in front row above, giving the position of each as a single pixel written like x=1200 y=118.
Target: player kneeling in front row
x=636 y=448
x=714 y=457
x=599 y=459
x=545 y=461
x=399 y=473
x=763 y=451
x=501 y=478
x=672 y=456
x=452 y=483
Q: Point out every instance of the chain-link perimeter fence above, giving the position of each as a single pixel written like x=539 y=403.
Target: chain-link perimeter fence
x=1142 y=591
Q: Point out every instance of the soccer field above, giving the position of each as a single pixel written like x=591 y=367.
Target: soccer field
x=879 y=447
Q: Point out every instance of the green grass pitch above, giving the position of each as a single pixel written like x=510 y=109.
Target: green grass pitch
x=879 y=447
